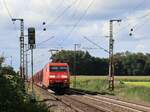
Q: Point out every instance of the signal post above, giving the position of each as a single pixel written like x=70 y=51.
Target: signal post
x=31 y=42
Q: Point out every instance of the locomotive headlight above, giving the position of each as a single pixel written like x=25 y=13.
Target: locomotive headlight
x=64 y=76
x=52 y=76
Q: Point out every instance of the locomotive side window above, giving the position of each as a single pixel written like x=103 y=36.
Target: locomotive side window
x=62 y=68
x=58 y=68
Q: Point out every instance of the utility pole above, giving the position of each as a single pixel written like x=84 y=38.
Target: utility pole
x=22 y=73
x=26 y=61
x=111 y=57
x=75 y=49
x=11 y=61
x=32 y=71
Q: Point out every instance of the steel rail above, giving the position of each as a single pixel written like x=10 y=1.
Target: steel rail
x=113 y=102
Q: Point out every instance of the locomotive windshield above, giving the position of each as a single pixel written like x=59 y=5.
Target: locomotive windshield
x=58 y=68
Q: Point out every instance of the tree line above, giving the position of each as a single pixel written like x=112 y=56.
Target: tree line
x=126 y=63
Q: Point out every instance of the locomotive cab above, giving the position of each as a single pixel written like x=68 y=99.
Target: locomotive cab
x=53 y=75
x=56 y=75
x=59 y=75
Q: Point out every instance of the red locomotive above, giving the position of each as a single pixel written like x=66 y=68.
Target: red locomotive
x=53 y=75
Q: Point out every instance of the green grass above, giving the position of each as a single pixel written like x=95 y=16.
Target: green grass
x=135 y=93
x=92 y=85
x=118 y=78
x=140 y=84
x=135 y=88
x=133 y=78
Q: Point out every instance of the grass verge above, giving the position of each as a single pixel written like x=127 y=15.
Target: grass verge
x=136 y=88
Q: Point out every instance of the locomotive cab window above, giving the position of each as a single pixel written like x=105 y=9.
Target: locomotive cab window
x=58 y=68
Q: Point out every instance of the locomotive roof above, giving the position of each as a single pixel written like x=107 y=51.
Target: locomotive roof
x=57 y=64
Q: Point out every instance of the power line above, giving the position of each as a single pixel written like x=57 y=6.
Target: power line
x=74 y=13
x=57 y=17
x=137 y=17
x=57 y=8
x=139 y=5
x=79 y=20
x=64 y=11
x=38 y=44
x=95 y=44
x=8 y=12
x=135 y=27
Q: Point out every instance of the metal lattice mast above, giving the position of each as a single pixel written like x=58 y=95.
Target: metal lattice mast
x=22 y=49
x=75 y=64
x=22 y=73
x=111 y=56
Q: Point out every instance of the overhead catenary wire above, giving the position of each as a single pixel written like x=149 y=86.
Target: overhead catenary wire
x=79 y=20
x=136 y=25
x=58 y=7
x=74 y=12
x=73 y=15
x=38 y=44
x=63 y=12
x=7 y=9
x=137 y=6
x=59 y=16
x=95 y=44
x=9 y=13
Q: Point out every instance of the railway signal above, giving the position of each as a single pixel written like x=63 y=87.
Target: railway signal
x=31 y=42
x=31 y=37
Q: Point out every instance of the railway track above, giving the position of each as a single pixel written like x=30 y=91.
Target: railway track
x=82 y=102
x=112 y=104
x=77 y=105
x=82 y=106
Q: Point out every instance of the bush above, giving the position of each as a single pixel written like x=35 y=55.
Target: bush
x=13 y=97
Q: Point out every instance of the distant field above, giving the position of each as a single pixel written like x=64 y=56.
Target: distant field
x=88 y=77
x=135 y=88
x=122 y=78
x=142 y=84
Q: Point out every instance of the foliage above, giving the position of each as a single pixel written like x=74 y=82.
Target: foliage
x=132 y=64
x=125 y=63
x=13 y=97
x=85 y=63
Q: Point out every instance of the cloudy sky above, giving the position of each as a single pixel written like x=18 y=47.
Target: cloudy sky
x=68 y=21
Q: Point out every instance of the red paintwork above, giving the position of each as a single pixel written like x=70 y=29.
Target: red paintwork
x=42 y=77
